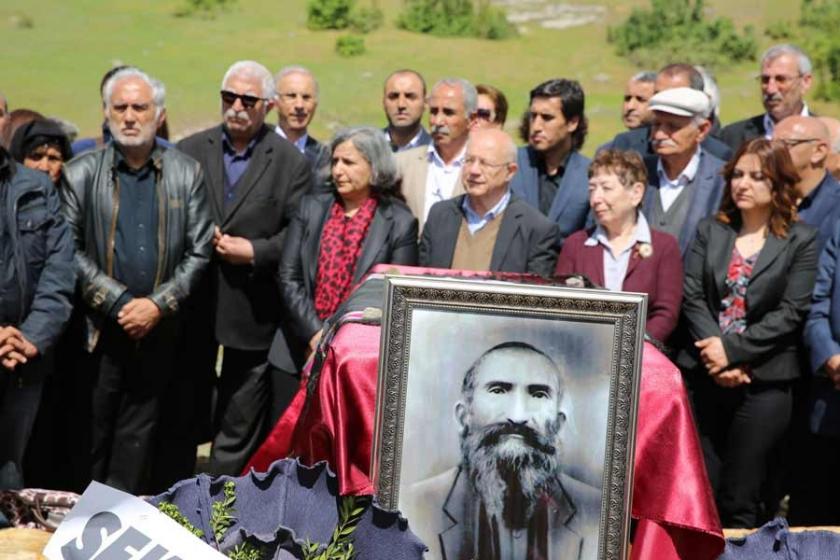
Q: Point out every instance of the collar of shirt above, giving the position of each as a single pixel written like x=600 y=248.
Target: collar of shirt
x=413 y=143
x=640 y=235
x=560 y=170
x=475 y=221
x=686 y=176
x=300 y=143
x=437 y=161
x=122 y=166
x=769 y=124
x=227 y=146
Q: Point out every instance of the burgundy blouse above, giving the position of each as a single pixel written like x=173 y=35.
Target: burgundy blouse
x=341 y=244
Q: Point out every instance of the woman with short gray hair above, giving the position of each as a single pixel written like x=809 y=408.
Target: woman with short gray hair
x=334 y=241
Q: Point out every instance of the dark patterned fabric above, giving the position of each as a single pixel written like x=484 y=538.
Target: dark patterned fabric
x=733 y=312
x=341 y=244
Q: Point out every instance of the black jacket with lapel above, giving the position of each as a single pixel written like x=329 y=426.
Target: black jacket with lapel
x=246 y=309
x=778 y=298
x=526 y=241
x=739 y=132
x=391 y=239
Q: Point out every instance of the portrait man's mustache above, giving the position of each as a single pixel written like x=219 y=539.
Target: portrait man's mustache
x=511 y=465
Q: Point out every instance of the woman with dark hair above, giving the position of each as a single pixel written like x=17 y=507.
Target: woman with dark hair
x=748 y=282
x=622 y=252
x=15 y=120
x=334 y=240
x=43 y=146
x=492 y=108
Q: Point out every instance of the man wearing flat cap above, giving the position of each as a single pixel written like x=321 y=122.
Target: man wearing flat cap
x=684 y=180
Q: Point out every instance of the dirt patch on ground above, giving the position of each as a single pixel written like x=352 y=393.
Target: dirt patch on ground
x=551 y=15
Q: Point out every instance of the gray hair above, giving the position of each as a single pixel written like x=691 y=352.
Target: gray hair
x=802 y=60
x=158 y=89
x=373 y=145
x=645 y=76
x=711 y=89
x=469 y=91
x=251 y=69
x=295 y=69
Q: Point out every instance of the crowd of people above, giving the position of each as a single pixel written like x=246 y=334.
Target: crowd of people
x=130 y=261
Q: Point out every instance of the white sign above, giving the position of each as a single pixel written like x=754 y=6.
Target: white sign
x=107 y=524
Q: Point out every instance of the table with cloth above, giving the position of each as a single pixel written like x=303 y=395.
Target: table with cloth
x=673 y=503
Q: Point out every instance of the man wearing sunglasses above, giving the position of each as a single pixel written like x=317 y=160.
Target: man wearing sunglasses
x=255 y=180
x=785 y=79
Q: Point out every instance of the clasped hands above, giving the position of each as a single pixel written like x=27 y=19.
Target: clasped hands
x=138 y=317
x=713 y=356
x=15 y=349
x=235 y=250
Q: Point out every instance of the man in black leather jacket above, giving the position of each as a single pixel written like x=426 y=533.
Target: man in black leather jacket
x=36 y=284
x=142 y=232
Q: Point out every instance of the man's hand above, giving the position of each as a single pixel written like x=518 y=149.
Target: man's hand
x=712 y=354
x=732 y=378
x=138 y=317
x=832 y=369
x=313 y=343
x=235 y=250
x=217 y=236
x=15 y=348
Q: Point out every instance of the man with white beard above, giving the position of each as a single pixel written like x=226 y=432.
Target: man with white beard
x=142 y=232
x=255 y=180
x=508 y=499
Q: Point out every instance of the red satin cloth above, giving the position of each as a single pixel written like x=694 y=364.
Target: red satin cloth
x=672 y=499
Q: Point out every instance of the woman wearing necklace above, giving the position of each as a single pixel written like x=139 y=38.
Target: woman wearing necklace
x=748 y=282
x=622 y=252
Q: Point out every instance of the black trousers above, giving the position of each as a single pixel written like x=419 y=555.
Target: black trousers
x=284 y=386
x=242 y=401
x=18 y=407
x=130 y=380
x=741 y=431
x=815 y=498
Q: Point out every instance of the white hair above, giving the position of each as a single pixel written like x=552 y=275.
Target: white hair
x=802 y=60
x=711 y=89
x=158 y=89
x=252 y=69
x=295 y=69
x=469 y=91
x=645 y=76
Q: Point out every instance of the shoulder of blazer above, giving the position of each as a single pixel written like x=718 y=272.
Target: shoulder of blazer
x=802 y=231
x=520 y=210
x=197 y=141
x=312 y=205
x=414 y=154
x=662 y=239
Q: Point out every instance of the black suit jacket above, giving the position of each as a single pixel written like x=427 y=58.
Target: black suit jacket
x=526 y=241
x=778 y=298
x=739 y=132
x=246 y=309
x=638 y=140
x=391 y=238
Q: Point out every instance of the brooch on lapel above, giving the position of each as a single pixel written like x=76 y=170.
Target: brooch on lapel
x=645 y=250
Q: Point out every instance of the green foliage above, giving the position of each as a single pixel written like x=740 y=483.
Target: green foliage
x=677 y=31
x=365 y=20
x=329 y=14
x=455 y=18
x=203 y=8
x=820 y=20
x=350 y=45
x=222 y=512
x=779 y=30
x=340 y=546
x=245 y=551
x=172 y=511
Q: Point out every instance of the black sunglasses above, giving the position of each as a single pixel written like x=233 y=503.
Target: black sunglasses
x=484 y=114
x=249 y=101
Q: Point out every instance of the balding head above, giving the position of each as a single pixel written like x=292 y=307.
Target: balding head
x=833 y=159
x=807 y=141
x=489 y=166
x=801 y=128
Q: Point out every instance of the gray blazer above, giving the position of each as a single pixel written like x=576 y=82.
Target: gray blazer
x=525 y=243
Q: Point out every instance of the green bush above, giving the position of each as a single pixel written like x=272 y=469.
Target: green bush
x=677 y=31
x=365 y=20
x=455 y=18
x=203 y=8
x=350 y=45
x=820 y=20
x=329 y=14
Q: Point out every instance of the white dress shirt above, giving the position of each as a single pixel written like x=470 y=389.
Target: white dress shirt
x=669 y=190
x=441 y=178
x=476 y=221
x=300 y=143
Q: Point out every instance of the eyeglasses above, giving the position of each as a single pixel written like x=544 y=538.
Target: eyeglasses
x=780 y=79
x=484 y=114
x=791 y=142
x=248 y=101
x=483 y=164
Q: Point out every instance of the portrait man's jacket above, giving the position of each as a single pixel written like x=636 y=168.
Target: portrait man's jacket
x=708 y=189
x=638 y=140
x=441 y=511
x=413 y=166
x=247 y=308
x=185 y=230
x=739 y=132
x=570 y=207
x=525 y=242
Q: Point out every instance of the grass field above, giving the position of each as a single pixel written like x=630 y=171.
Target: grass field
x=55 y=65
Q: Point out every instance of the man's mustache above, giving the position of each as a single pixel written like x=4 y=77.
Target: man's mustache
x=440 y=129
x=494 y=433
x=773 y=97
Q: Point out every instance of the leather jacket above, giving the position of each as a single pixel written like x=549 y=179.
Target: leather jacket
x=185 y=232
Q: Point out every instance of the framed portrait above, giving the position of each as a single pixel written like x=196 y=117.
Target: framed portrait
x=505 y=417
